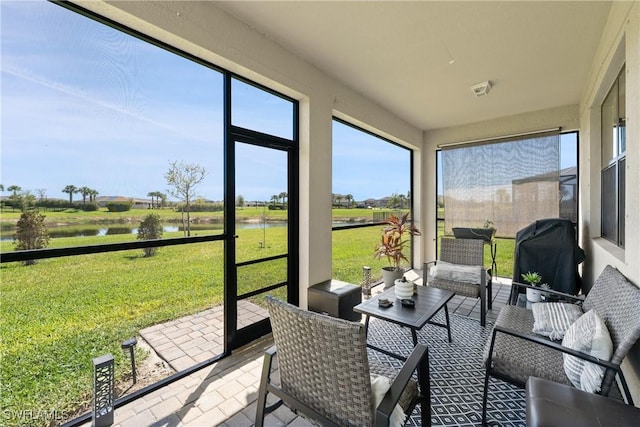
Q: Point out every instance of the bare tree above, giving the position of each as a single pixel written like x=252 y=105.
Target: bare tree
x=240 y=201
x=183 y=178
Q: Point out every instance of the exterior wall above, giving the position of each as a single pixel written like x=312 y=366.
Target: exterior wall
x=204 y=30
x=620 y=43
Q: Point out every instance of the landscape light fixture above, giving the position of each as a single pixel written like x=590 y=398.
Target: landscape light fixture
x=481 y=89
x=131 y=344
x=103 y=393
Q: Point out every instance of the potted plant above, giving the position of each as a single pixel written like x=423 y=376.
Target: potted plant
x=534 y=279
x=395 y=235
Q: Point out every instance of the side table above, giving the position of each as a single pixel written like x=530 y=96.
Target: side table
x=335 y=298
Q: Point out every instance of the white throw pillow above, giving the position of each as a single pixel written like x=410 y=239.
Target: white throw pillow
x=379 y=387
x=588 y=334
x=457 y=272
x=552 y=319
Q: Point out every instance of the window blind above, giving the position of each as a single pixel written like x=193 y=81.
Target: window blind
x=509 y=182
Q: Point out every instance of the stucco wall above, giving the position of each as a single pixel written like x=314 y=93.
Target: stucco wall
x=620 y=44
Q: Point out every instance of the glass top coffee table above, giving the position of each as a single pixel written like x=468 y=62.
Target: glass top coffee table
x=428 y=301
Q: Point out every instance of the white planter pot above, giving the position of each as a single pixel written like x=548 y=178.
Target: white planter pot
x=390 y=275
x=534 y=295
x=403 y=289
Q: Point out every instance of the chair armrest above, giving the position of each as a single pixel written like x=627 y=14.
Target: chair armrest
x=576 y=299
x=392 y=396
x=556 y=346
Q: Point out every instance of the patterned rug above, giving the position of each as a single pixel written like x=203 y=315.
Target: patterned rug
x=456 y=372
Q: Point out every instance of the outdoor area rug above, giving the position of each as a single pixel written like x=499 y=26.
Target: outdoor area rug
x=456 y=372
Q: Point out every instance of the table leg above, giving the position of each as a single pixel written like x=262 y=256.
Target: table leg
x=414 y=335
x=446 y=315
x=494 y=266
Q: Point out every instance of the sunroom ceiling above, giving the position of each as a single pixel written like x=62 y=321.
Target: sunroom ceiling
x=419 y=59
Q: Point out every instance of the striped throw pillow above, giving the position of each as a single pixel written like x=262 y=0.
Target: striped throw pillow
x=588 y=334
x=552 y=319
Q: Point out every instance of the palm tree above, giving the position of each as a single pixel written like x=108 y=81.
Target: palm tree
x=92 y=195
x=151 y=194
x=402 y=198
x=70 y=189
x=163 y=198
x=394 y=201
x=14 y=189
x=283 y=196
x=85 y=191
x=349 y=200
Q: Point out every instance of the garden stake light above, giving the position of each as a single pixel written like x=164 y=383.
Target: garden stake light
x=131 y=344
x=103 y=398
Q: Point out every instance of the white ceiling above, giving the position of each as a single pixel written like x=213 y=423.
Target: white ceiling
x=536 y=54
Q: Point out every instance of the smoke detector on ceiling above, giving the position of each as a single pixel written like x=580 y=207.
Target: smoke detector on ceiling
x=481 y=89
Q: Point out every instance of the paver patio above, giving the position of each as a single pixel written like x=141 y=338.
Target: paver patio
x=224 y=393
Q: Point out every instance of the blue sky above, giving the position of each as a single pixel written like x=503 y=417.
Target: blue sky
x=86 y=105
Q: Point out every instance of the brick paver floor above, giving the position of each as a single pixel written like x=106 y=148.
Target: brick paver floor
x=192 y=339
x=224 y=394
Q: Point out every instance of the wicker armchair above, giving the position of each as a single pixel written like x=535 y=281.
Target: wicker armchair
x=466 y=252
x=514 y=353
x=325 y=372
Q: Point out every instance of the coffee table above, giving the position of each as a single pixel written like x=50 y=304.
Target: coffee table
x=428 y=301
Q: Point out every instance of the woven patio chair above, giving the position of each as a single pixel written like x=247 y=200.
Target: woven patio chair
x=324 y=372
x=514 y=352
x=463 y=252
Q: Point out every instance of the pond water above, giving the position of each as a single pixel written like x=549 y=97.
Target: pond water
x=102 y=230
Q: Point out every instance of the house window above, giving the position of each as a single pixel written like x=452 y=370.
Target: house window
x=613 y=162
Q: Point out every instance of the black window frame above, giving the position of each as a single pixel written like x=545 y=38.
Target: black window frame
x=411 y=186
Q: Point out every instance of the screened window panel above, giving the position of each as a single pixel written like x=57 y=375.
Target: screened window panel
x=621 y=203
x=610 y=127
x=622 y=112
x=609 y=204
x=511 y=183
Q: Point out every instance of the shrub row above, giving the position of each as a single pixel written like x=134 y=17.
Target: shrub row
x=201 y=207
x=118 y=206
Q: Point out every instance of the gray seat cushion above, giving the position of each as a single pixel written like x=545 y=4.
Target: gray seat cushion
x=519 y=359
